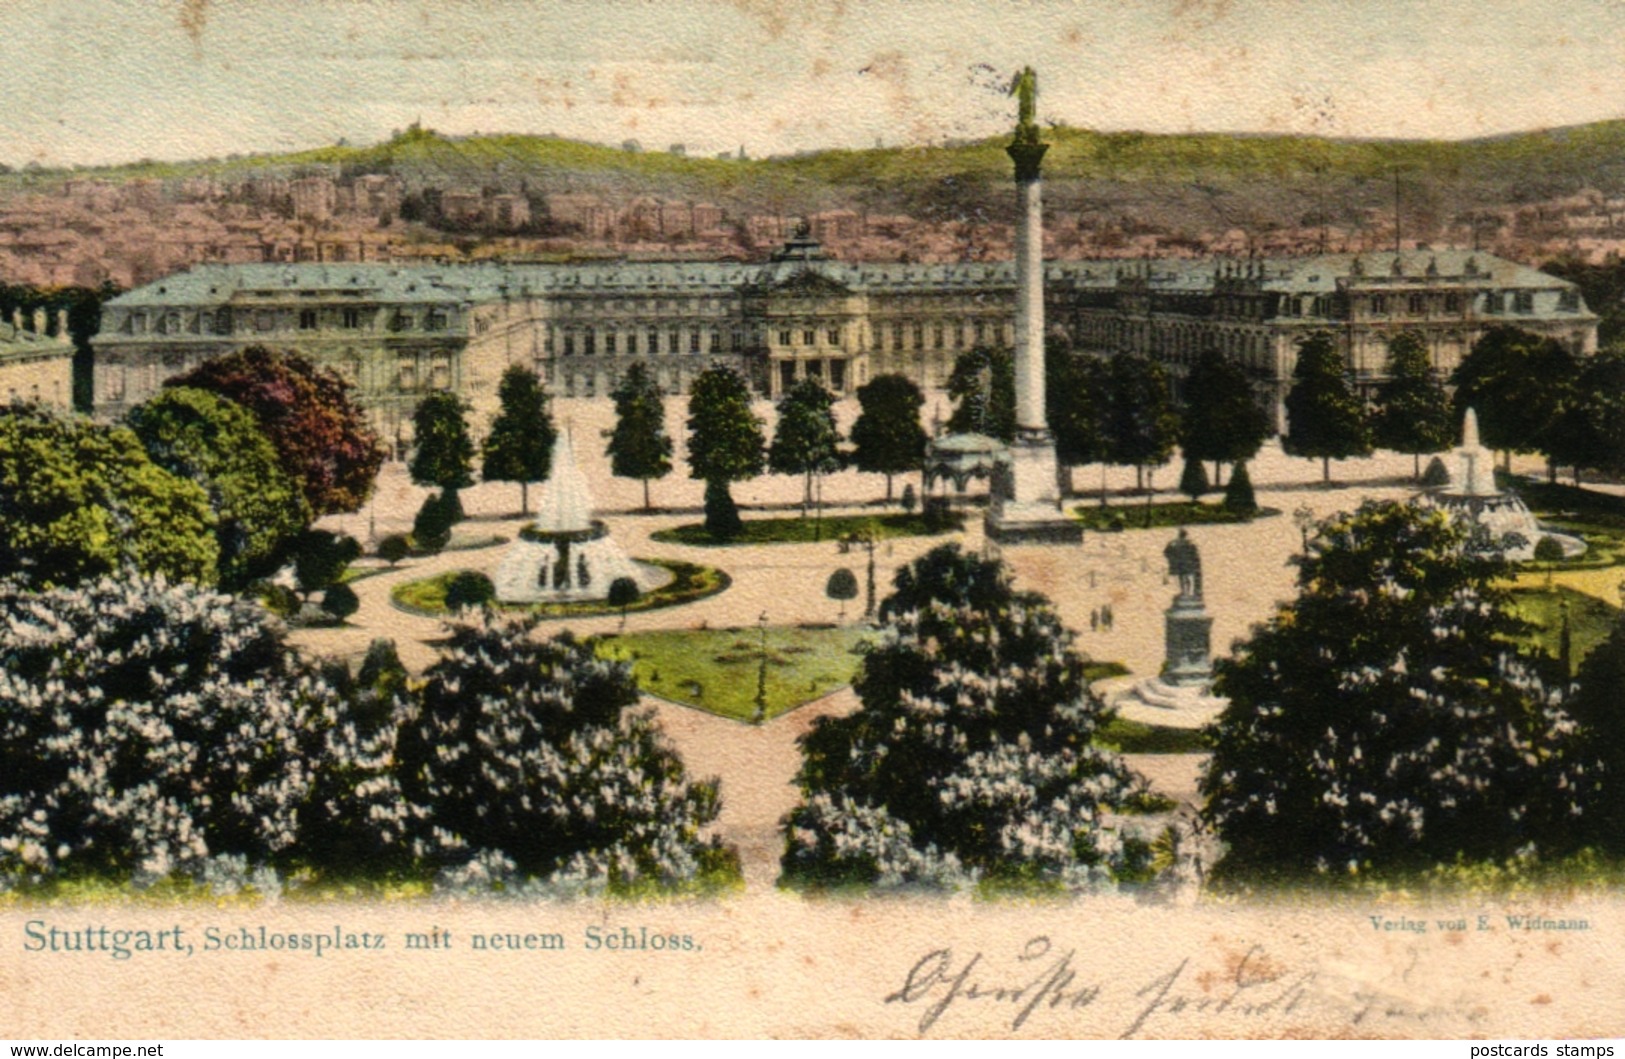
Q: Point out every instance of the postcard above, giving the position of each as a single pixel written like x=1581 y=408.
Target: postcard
x=946 y=520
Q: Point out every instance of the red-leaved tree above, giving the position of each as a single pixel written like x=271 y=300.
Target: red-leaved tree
x=321 y=436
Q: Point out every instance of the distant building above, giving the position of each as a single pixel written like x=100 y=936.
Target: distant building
x=399 y=331
x=35 y=365
x=1258 y=310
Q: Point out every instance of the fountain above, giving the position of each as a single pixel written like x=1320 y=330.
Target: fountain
x=566 y=554
x=1470 y=493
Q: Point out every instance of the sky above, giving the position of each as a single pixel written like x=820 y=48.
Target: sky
x=90 y=82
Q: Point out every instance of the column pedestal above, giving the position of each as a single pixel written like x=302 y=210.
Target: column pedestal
x=1031 y=513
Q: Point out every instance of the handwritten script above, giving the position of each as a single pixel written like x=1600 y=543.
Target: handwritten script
x=1043 y=978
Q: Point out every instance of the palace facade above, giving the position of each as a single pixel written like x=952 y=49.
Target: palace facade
x=36 y=363
x=399 y=331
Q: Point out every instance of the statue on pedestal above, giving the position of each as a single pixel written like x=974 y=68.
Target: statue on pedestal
x=1185 y=565
x=1025 y=88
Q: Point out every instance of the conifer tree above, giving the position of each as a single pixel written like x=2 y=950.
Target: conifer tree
x=1325 y=417
x=519 y=447
x=639 y=446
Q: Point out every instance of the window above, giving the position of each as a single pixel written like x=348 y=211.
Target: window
x=264 y=320
x=609 y=343
x=547 y=342
x=959 y=336
x=654 y=341
x=222 y=322
x=307 y=319
x=440 y=372
x=631 y=343
x=1379 y=304
x=809 y=338
x=784 y=337
x=1452 y=303
x=937 y=337
x=694 y=341
x=1568 y=301
x=981 y=332
x=589 y=342
x=1493 y=302
x=737 y=340
x=919 y=336
x=1418 y=305
x=716 y=341
x=834 y=336
x=406 y=375
x=897 y=336
x=1523 y=301
x=675 y=345
x=352 y=319
x=569 y=344
x=437 y=320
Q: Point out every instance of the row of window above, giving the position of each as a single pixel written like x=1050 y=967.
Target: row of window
x=615 y=343
x=224 y=321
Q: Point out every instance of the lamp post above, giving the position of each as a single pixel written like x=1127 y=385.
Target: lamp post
x=761 y=674
x=866 y=538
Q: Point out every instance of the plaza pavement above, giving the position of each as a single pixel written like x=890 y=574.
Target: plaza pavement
x=1246 y=573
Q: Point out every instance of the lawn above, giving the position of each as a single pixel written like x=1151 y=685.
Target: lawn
x=1115 y=517
x=810 y=529
x=717 y=670
x=1132 y=737
x=690 y=581
x=1590 y=619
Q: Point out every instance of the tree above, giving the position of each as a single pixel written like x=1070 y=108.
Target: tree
x=432 y=526
x=1516 y=382
x=983 y=388
x=1222 y=421
x=639 y=446
x=972 y=758
x=623 y=592
x=320 y=558
x=1077 y=403
x=339 y=601
x=1142 y=423
x=156 y=729
x=887 y=437
x=1413 y=414
x=195 y=435
x=1238 y=492
x=1598 y=690
x=519 y=447
x=321 y=436
x=1385 y=719
x=842 y=586
x=1589 y=430
x=805 y=439
x=443 y=452
x=469 y=589
x=393 y=548
x=78 y=501
x=1325 y=417
x=724 y=443
x=1193 y=480
x=526 y=765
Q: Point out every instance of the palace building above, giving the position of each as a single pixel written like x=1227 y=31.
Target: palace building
x=36 y=365
x=399 y=331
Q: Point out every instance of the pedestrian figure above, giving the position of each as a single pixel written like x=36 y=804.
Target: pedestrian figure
x=1094 y=620
x=1106 y=617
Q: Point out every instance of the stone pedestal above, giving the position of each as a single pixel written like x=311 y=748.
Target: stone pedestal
x=1189 y=630
x=1031 y=513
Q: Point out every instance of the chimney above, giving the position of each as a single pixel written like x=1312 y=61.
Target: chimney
x=39 y=321
x=62 y=324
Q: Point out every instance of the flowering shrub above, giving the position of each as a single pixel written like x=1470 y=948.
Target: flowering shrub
x=148 y=729
x=1385 y=719
x=972 y=759
x=527 y=769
